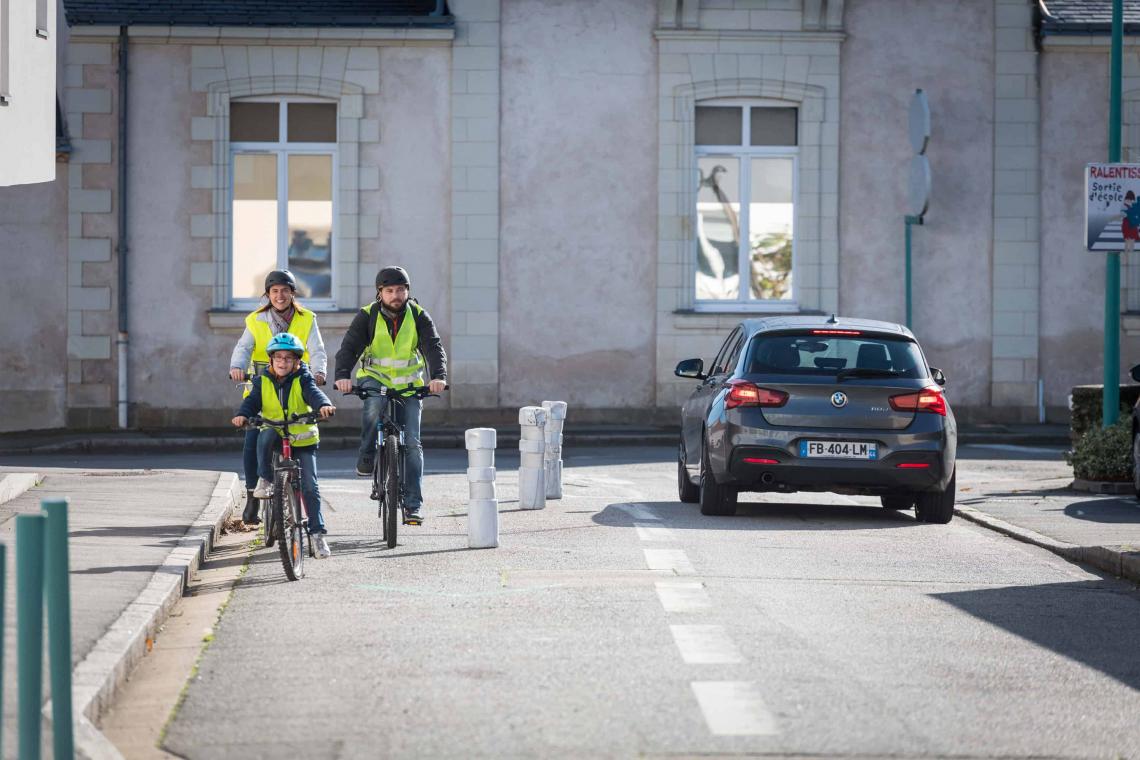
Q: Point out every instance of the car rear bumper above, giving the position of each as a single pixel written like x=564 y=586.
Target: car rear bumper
x=911 y=462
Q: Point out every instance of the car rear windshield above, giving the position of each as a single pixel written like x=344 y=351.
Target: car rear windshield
x=813 y=354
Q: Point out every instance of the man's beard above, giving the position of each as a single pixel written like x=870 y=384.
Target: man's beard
x=394 y=306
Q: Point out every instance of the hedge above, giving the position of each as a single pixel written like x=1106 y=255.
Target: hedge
x=1086 y=412
x=1104 y=453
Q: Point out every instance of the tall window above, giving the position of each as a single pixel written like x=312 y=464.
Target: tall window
x=283 y=159
x=745 y=216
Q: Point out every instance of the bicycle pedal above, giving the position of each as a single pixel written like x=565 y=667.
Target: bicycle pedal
x=413 y=521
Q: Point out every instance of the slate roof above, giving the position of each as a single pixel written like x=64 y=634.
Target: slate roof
x=319 y=13
x=1086 y=16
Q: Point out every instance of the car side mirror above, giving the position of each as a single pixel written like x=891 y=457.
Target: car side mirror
x=937 y=376
x=1135 y=373
x=691 y=368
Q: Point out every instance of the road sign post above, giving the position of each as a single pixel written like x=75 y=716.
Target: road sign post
x=1110 y=408
x=918 y=185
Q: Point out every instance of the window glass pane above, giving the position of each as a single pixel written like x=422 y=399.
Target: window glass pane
x=255 y=222
x=311 y=122
x=253 y=122
x=718 y=125
x=827 y=355
x=310 y=224
x=718 y=228
x=773 y=126
x=770 y=218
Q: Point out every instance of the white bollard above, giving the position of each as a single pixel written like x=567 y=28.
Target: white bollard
x=532 y=445
x=552 y=464
x=482 y=506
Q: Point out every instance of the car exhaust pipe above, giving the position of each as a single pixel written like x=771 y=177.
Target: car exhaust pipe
x=767 y=478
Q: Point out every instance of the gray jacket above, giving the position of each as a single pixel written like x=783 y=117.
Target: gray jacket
x=318 y=359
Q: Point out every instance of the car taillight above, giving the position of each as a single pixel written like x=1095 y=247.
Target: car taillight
x=926 y=400
x=744 y=393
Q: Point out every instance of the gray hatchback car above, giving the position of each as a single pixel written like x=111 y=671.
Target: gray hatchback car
x=815 y=404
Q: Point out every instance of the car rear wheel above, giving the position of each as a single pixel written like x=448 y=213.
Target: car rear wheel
x=1136 y=464
x=688 y=493
x=895 y=501
x=937 y=506
x=715 y=499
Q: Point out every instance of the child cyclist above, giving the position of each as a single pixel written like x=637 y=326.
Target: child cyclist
x=285 y=388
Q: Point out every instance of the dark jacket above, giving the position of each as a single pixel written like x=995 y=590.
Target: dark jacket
x=363 y=328
x=313 y=395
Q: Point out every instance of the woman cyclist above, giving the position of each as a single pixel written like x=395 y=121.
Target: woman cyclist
x=281 y=313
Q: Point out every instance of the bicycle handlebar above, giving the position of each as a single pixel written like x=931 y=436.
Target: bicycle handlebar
x=408 y=391
x=308 y=418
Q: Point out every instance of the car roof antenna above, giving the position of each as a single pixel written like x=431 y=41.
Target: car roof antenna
x=833 y=320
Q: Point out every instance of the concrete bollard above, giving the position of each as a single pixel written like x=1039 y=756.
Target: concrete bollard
x=482 y=504
x=552 y=462
x=532 y=448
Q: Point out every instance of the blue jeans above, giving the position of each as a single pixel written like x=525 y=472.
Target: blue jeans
x=267 y=442
x=249 y=458
x=407 y=414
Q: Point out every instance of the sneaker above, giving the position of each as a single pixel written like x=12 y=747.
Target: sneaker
x=264 y=489
x=412 y=516
x=250 y=515
x=322 y=545
x=364 y=466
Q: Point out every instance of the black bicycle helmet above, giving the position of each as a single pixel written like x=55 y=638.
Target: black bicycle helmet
x=392 y=276
x=280 y=277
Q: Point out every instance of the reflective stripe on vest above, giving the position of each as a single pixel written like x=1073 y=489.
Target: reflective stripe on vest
x=301 y=325
x=303 y=435
x=396 y=362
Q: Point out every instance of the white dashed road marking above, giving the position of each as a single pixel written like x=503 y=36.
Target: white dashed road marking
x=734 y=708
x=653 y=533
x=705 y=645
x=682 y=596
x=668 y=559
x=639 y=512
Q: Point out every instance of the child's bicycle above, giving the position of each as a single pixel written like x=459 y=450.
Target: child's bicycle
x=388 y=468
x=284 y=514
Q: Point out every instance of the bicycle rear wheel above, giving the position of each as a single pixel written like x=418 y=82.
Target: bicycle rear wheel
x=391 y=455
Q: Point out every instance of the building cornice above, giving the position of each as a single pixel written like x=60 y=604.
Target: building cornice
x=738 y=35
x=268 y=35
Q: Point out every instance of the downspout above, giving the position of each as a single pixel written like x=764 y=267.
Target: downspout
x=123 y=340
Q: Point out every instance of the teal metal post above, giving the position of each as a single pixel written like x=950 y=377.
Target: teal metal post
x=910 y=221
x=30 y=629
x=1110 y=409
x=58 y=593
x=3 y=601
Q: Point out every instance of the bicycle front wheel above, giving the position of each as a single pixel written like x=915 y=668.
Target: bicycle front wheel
x=290 y=531
x=391 y=488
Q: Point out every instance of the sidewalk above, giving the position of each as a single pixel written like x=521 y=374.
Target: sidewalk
x=67 y=442
x=135 y=535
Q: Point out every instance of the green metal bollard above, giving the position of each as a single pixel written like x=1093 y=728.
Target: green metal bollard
x=30 y=531
x=58 y=592
x=3 y=586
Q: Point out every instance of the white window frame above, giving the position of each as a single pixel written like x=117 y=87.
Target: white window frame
x=282 y=150
x=744 y=153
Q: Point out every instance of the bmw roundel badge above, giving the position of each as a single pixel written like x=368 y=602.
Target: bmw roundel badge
x=839 y=399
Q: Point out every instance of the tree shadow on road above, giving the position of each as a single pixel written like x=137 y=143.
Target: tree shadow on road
x=1096 y=623
x=758 y=516
x=1120 y=511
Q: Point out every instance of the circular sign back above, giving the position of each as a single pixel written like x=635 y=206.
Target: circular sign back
x=918 y=188
x=919 y=122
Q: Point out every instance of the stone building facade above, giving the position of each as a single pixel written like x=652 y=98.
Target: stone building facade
x=566 y=182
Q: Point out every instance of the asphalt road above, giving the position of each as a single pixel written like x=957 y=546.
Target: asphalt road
x=619 y=622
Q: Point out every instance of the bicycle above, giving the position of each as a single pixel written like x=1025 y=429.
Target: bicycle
x=388 y=466
x=288 y=528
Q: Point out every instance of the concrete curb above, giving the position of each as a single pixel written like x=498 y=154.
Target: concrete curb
x=96 y=680
x=13 y=484
x=1103 y=486
x=1121 y=561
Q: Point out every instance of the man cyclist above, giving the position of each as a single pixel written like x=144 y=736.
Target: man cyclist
x=396 y=342
x=281 y=313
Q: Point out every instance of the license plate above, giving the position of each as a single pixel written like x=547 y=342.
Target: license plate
x=838 y=450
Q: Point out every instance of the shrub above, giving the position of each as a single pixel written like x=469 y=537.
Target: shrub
x=1104 y=453
x=1086 y=411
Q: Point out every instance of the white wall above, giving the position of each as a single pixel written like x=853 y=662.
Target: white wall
x=27 y=122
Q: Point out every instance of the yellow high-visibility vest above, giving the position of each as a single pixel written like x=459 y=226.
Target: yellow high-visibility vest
x=395 y=363
x=301 y=325
x=303 y=435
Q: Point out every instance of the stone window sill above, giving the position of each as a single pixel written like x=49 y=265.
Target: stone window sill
x=691 y=319
x=224 y=321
